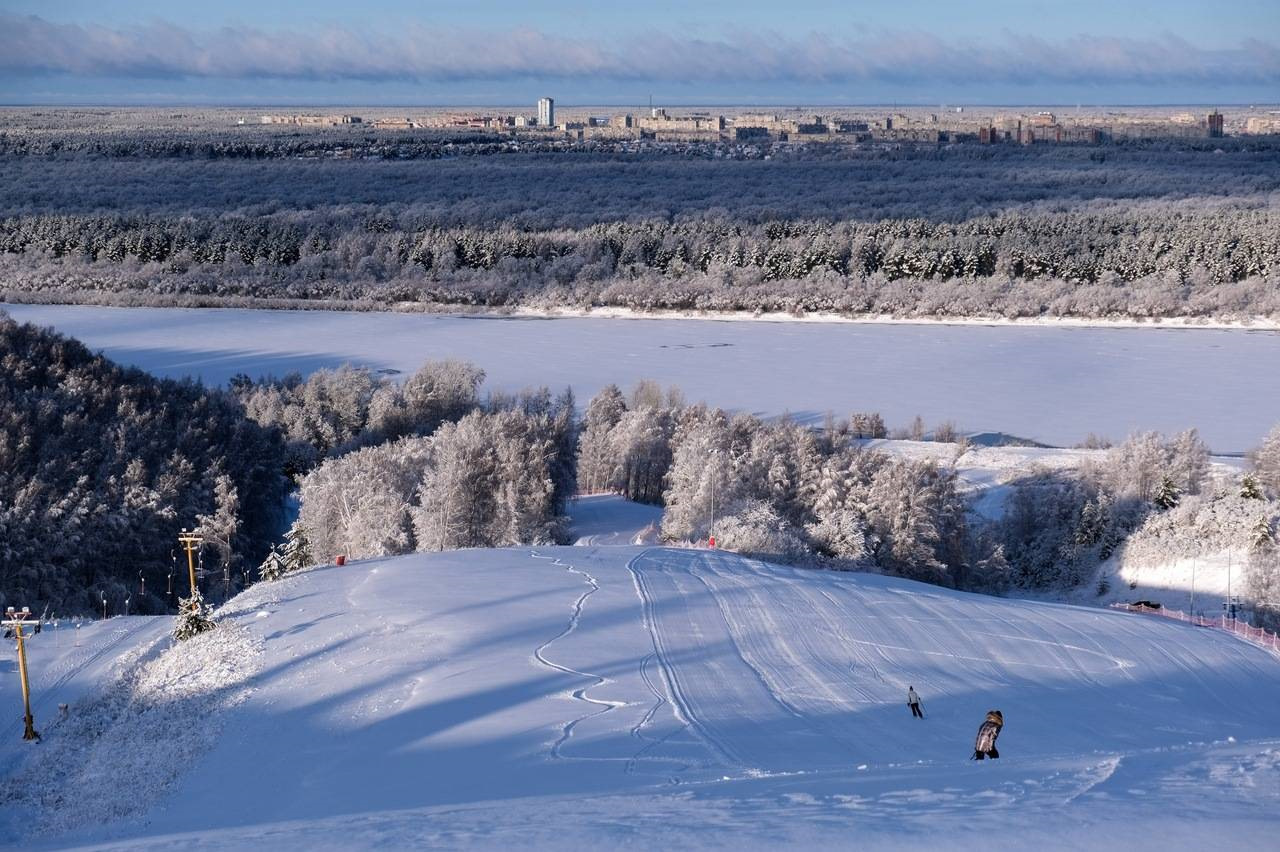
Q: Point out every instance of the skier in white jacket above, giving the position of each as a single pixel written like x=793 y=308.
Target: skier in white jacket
x=913 y=701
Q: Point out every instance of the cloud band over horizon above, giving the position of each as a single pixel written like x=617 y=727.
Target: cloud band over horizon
x=32 y=47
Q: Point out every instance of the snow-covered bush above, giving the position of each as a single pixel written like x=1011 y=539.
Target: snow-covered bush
x=1196 y=526
x=755 y=529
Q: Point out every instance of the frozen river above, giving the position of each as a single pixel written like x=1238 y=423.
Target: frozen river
x=1051 y=384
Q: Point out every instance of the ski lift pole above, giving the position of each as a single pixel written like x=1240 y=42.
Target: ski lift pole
x=191 y=541
x=15 y=620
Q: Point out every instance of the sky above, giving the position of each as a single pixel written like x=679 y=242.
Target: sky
x=509 y=52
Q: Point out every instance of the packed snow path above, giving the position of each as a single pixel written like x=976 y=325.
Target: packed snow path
x=585 y=695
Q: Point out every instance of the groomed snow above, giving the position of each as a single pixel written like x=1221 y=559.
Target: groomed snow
x=604 y=696
x=1051 y=384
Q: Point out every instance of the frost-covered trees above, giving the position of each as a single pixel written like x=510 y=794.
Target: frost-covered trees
x=296 y=552
x=868 y=425
x=1147 y=465
x=756 y=529
x=293 y=554
x=358 y=505
x=1262 y=536
x=1266 y=462
x=233 y=215
x=703 y=479
x=1053 y=529
x=1262 y=575
x=333 y=411
x=219 y=527
x=492 y=479
x=100 y=467
x=598 y=469
x=917 y=518
x=1167 y=494
x=1249 y=487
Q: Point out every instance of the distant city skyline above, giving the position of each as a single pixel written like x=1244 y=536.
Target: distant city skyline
x=910 y=52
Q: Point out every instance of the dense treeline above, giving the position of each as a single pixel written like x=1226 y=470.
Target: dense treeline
x=782 y=491
x=1091 y=264
x=142 y=214
x=1058 y=526
x=1080 y=247
x=100 y=466
x=499 y=476
x=334 y=411
x=549 y=191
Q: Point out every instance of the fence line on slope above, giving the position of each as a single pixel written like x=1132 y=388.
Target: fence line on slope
x=1257 y=635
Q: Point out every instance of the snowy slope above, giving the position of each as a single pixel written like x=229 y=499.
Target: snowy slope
x=611 y=519
x=586 y=695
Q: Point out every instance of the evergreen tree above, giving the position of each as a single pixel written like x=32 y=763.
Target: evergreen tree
x=194 y=617
x=297 y=548
x=1167 y=494
x=1262 y=536
x=1249 y=488
x=272 y=567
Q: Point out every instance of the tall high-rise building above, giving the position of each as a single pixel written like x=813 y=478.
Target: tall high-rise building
x=1215 y=124
x=546 y=112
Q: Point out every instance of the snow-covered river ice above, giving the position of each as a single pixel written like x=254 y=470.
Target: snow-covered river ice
x=1051 y=384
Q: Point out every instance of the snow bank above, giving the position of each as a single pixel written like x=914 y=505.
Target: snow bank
x=123 y=748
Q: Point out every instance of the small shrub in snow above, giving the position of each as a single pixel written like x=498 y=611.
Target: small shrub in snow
x=755 y=529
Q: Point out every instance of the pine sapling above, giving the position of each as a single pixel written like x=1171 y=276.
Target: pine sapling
x=1249 y=488
x=194 y=617
x=273 y=567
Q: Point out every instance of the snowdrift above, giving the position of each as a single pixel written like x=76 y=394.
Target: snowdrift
x=566 y=696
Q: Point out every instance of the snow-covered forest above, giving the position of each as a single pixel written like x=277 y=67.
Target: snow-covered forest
x=159 y=217
x=100 y=466
x=385 y=468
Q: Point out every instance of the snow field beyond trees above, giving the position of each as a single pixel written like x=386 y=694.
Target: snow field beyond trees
x=571 y=696
x=1053 y=385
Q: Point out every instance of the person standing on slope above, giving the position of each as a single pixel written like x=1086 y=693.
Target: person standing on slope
x=913 y=701
x=985 y=745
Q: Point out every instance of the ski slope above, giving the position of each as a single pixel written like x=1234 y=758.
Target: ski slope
x=575 y=696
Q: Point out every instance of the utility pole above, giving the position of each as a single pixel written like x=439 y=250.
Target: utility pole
x=1193 y=587
x=15 y=619
x=714 y=455
x=191 y=541
x=104 y=607
x=173 y=566
x=1230 y=605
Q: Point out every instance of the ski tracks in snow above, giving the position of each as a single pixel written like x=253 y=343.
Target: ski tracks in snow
x=599 y=706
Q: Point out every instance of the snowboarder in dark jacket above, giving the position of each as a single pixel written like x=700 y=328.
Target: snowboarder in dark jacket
x=985 y=745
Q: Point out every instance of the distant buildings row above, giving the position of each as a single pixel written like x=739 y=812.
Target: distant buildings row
x=660 y=125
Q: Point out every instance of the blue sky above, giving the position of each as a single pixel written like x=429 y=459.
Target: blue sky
x=714 y=51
